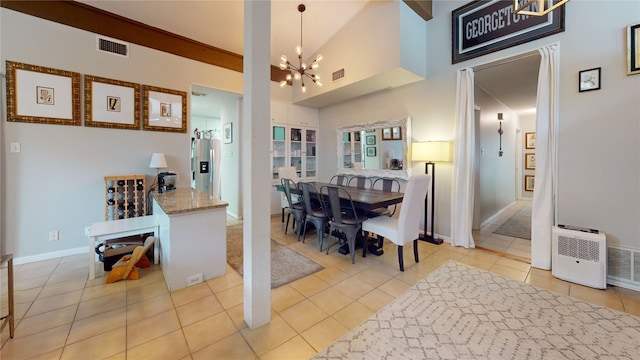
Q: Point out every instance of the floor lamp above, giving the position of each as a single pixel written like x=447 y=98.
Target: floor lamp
x=430 y=152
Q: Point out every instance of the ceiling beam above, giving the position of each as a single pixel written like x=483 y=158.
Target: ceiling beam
x=424 y=8
x=85 y=17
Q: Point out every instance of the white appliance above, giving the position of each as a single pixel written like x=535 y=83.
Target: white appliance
x=205 y=166
x=579 y=256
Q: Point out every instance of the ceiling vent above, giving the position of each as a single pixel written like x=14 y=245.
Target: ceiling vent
x=112 y=46
x=337 y=75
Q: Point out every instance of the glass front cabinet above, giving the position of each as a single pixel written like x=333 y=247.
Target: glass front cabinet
x=293 y=144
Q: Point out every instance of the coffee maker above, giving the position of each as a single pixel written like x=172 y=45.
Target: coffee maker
x=167 y=181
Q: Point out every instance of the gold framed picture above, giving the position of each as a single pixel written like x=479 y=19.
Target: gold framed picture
x=111 y=103
x=164 y=109
x=530 y=140
x=38 y=94
x=530 y=161
x=529 y=181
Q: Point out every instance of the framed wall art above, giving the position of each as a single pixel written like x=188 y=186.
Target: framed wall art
x=111 y=103
x=371 y=139
x=530 y=161
x=164 y=109
x=38 y=94
x=227 y=133
x=371 y=151
x=528 y=182
x=633 y=49
x=396 y=133
x=386 y=134
x=589 y=80
x=530 y=140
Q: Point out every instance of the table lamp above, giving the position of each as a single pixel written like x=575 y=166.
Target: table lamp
x=158 y=161
x=431 y=152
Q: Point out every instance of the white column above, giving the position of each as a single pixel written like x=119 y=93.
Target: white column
x=254 y=163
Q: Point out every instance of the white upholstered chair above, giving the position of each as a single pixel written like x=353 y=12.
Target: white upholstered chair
x=406 y=227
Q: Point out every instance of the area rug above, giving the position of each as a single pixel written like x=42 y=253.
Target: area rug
x=286 y=264
x=461 y=312
x=518 y=225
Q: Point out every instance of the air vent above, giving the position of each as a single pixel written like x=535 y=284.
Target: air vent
x=112 y=46
x=337 y=75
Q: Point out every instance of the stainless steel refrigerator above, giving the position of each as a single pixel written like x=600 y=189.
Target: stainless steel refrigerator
x=205 y=165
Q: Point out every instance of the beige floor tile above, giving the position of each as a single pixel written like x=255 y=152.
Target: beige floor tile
x=226 y=281
x=376 y=299
x=548 y=282
x=95 y=325
x=51 y=355
x=332 y=275
x=233 y=347
x=310 y=285
x=395 y=287
x=36 y=344
x=509 y=272
x=198 y=309
x=148 y=308
x=353 y=288
x=236 y=314
x=268 y=337
x=55 y=302
x=101 y=305
x=324 y=333
x=208 y=331
x=45 y=321
x=330 y=300
x=353 y=315
x=514 y=264
x=303 y=315
x=167 y=347
x=475 y=262
x=284 y=297
x=231 y=297
x=25 y=296
x=296 y=348
x=103 y=289
x=191 y=293
x=630 y=301
x=52 y=289
x=152 y=328
x=608 y=297
x=145 y=292
x=97 y=347
x=372 y=277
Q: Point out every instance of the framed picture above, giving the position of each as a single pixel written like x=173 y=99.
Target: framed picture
x=164 y=109
x=227 y=133
x=530 y=161
x=633 y=49
x=530 y=140
x=528 y=182
x=37 y=94
x=111 y=103
x=371 y=139
x=396 y=133
x=371 y=151
x=589 y=80
x=386 y=134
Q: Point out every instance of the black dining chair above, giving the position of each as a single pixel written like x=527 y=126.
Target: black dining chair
x=316 y=211
x=341 y=180
x=361 y=182
x=385 y=184
x=294 y=208
x=344 y=219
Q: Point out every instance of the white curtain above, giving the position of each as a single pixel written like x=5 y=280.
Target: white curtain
x=543 y=210
x=463 y=162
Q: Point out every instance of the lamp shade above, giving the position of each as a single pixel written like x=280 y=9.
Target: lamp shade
x=158 y=161
x=434 y=151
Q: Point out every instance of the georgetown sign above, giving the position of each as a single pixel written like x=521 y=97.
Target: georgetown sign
x=486 y=26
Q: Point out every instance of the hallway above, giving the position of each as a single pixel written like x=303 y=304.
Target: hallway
x=510 y=246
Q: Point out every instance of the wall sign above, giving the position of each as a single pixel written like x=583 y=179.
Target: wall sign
x=485 y=26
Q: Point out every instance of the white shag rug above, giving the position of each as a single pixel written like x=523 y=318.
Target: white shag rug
x=461 y=312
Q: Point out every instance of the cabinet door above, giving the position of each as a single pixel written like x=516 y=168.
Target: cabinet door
x=278 y=149
x=309 y=153
x=279 y=112
x=295 y=148
x=303 y=116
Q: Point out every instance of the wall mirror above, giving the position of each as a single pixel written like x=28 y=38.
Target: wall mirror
x=375 y=148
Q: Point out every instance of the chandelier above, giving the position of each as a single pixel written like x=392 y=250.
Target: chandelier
x=302 y=70
x=536 y=7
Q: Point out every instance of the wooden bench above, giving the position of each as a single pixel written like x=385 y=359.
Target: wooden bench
x=114 y=229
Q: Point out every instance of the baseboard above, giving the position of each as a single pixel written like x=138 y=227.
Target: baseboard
x=50 y=255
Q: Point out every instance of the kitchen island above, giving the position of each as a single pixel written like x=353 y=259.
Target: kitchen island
x=193 y=236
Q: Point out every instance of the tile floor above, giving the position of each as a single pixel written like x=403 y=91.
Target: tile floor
x=61 y=315
x=511 y=246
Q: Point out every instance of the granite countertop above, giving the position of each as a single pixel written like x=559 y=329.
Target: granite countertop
x=183 y=200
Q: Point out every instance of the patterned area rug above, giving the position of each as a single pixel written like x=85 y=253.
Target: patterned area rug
x=461 y=312
x=519 y=225
x=286 y=264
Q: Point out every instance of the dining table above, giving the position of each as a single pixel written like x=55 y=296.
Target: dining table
x=364 y=200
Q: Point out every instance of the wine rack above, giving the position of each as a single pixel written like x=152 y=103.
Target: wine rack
x=125 y=197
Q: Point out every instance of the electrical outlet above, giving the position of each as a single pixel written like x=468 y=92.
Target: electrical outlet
x=195 y=279
x=54 y=235
x=15 y=147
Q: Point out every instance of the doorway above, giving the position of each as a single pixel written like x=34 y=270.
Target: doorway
x=505 y=94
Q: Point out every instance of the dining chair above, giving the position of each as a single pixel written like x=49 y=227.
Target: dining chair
x=316 y=211
x=288 y=172
x=385 y=184
x=344 y=217
x=341 y=180
x=406 y=227
x=361 y=182
x=295 y=208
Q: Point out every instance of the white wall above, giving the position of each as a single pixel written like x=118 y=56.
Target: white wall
x=599 y=132
x=56 y=182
